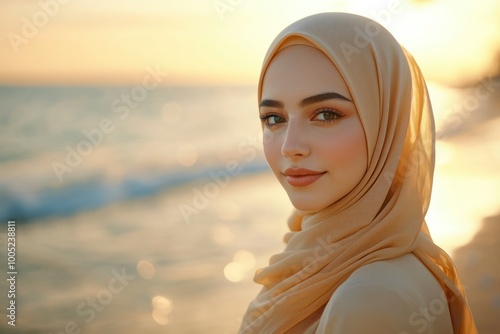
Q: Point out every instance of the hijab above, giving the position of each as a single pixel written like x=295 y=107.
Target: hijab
x=383 y=216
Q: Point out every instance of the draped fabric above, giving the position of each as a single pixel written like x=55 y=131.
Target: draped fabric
x=383 y=217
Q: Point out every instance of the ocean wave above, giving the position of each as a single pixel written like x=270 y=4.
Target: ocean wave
x=97 y=192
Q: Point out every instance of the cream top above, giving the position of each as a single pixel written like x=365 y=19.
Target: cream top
x=397 y=296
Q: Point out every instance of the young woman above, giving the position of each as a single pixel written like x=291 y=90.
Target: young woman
x=348 y=132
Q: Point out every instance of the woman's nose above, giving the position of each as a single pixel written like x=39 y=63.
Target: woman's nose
x=295 y=143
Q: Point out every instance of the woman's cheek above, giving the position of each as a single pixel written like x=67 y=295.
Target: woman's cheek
x=347 y=150
x=272 y=150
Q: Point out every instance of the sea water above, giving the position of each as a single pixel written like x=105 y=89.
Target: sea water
x=135 y=213
x=70 y=149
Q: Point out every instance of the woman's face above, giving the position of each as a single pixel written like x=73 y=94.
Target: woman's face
x=313 y=138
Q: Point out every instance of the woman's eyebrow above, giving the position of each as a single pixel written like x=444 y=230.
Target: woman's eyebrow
x=322 y=97
x=271 y=103
x=307 y=101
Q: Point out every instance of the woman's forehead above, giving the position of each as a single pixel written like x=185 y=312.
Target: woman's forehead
x=302 y=69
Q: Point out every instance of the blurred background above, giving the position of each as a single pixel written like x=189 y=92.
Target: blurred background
x=131 y=160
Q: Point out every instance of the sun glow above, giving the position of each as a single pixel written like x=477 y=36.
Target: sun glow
x=213 y=41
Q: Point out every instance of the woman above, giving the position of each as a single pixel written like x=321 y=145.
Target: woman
x=348 y=132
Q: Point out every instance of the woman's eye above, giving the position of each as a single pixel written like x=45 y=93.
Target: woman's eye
x=271 y=120
x=328 y=115
x=275 y=119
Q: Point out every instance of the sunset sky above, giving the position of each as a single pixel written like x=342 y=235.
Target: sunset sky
x=217 y=41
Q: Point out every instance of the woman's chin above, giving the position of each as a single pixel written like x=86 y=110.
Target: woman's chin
x=307 y=205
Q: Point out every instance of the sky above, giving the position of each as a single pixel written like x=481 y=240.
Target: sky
x=220 y=41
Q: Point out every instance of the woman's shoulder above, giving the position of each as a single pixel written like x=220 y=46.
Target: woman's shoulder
x=405 y=271
x=391 y=296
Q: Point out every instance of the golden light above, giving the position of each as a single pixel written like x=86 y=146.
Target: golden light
x=88 y=42
x=186 y=155
x=145 y=269
x=171 y=112
x=221 y=235
x=234 y=272
x=227 y=210
x=162 y=307
x=243 y=261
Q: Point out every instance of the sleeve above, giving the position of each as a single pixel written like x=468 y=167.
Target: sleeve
x=374 y=309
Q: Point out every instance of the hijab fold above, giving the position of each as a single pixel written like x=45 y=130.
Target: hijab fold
x=383 y=216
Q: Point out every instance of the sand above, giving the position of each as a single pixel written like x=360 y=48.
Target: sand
x=479 y=267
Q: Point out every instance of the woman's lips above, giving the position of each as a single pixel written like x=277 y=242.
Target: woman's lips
x=301 y=177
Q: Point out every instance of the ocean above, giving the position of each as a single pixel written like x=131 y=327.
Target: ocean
x=135 y=210
x=66 y=150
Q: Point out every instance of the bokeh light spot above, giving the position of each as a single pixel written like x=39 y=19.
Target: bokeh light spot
x=162 y=307
x=228 y=210
x=243 y=261
x=187 y=155
x=222 y=235
x=145 y=269
x=234 y=271
x=171 y=112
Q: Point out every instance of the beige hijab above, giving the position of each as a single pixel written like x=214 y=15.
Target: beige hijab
x=383 y=216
